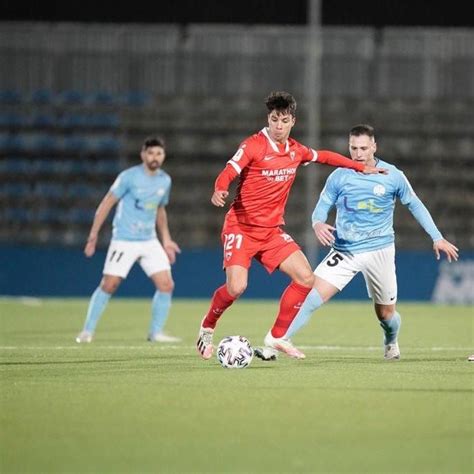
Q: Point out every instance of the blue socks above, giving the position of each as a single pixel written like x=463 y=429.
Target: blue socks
x=97 y=304
x=159 y=311
x=391 y=327
x=312 y=302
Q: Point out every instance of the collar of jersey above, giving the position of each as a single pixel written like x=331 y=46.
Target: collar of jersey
x=273 y=144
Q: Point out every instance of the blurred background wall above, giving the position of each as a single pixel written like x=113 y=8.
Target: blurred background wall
x=77 y=100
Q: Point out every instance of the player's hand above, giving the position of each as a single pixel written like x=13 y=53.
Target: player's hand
x=374 y=170
x=218 y=198
x=91 y=243
x=324 y=233
x=448 y=248
x=171 y=249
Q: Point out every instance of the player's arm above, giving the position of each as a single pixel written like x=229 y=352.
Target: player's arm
x=327 y=199
x=233 y=169
x=423 y=216
x=101 y=214
x=170 y=246
x=335 y=159
x=221 y=185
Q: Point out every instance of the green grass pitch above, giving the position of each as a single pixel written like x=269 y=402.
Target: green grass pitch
x=123 y=405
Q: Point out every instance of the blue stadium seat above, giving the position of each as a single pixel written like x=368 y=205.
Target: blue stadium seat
x=71 y=120
x=16 y=190
x=81 y=216
x=10 y=96
x=12 y=119
x=137 y=98
x=18 y=214
x=103 y=98
x=103 y=120
x=71 y=97
x=107 y=144
x=45 y=142
x=12 y=142
x=75 y=143
x=48 y=189
x=42 y=97
x=43 y=120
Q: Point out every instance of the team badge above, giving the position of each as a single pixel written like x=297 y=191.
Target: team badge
x=292 y=155
x=379 y=190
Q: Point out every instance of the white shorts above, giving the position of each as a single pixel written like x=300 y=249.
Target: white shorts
x=122 y=254
x=377 y=266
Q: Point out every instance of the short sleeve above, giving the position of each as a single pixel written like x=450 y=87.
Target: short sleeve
x=121 y=185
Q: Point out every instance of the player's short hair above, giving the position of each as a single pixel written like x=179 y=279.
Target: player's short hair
x=362 y=129
x=150 y=142
x=281 y=101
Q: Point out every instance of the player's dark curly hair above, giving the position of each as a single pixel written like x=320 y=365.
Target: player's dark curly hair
x=281 y=101
x=362 y=129
x=150 y=142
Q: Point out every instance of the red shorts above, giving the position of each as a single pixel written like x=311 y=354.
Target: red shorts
x=268 y=245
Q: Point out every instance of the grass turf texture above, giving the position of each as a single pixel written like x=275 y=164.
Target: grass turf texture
x=122 y=404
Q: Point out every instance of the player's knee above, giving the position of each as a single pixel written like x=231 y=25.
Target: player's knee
x=166 y=286
x=385 y=313
x=235 y=289
x=110 y=287
x=306 y=279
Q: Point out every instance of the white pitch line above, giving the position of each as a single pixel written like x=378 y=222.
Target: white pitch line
x=175 y=347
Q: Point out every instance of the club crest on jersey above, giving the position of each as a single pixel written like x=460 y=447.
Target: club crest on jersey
x=379 y=190
x=292 y=155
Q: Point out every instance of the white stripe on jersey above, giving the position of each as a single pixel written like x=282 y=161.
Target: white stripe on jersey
x=273 y=144
x=235 y=166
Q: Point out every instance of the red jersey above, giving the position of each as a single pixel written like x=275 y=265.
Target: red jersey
x=267 y=171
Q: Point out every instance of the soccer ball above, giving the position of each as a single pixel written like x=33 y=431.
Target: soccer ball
x=234 y=352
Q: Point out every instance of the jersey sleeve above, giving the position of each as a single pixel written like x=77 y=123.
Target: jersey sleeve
x=166 y=196
x=335 y=159
x=242 y=157
x=404 y=190
x=308 y=155
x=408 y=197
x=121 y=185
x=327 y=199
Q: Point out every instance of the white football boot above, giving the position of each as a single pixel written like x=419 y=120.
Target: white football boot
x=162 y=337
x=392 y=351
x=84 y=337
x=204 y=342
x=282 y=345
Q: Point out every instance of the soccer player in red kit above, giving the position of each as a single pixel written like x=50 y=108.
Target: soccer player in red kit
x=266 y=163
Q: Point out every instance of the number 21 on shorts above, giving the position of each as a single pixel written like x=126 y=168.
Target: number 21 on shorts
x=230 y=240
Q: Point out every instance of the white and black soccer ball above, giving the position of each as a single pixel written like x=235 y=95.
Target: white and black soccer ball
x=234 y=352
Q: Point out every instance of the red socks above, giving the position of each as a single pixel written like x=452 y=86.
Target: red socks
x=290 y=303
x=219 y=303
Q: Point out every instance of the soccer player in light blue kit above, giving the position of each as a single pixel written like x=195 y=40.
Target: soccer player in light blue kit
x=363 y=237
x=142 y=193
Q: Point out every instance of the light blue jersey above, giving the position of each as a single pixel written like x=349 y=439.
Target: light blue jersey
x=140 y=195
x=365 y=206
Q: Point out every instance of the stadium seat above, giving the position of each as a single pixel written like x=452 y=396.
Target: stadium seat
x=71 y=97
x=10 y=96
x=102 y=98
x=136 y=99
x=42 y=97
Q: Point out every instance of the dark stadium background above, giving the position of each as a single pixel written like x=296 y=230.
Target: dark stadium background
x=279 y=12
x=19 y=249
